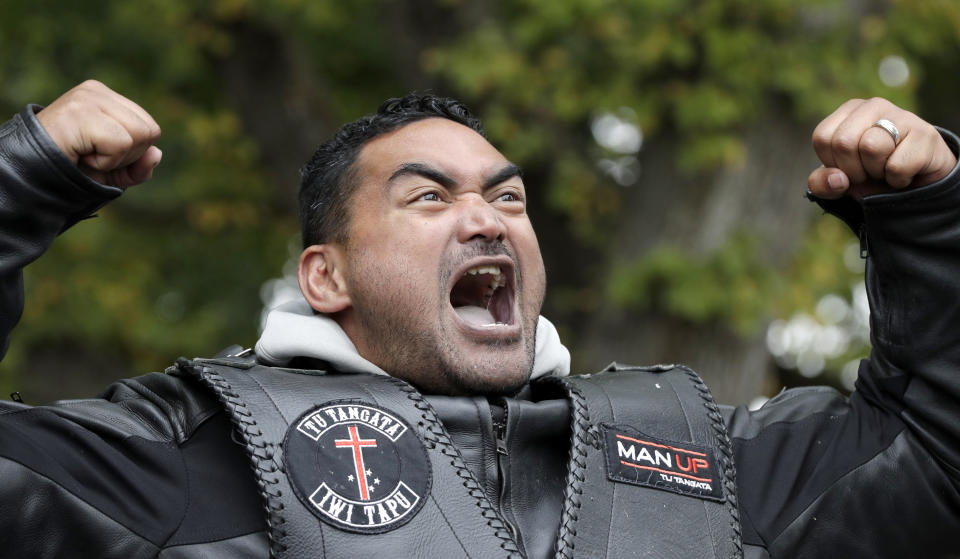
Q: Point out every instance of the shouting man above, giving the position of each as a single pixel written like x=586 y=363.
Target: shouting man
x=415 y=404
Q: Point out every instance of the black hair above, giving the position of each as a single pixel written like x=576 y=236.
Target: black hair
x=328 y=181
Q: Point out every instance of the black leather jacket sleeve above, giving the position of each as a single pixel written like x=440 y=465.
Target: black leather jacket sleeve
x=127 y=474
x=875 y=475
x=42 y=193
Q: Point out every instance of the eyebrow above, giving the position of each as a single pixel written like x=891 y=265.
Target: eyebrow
x=419 y=169
x=507 y=172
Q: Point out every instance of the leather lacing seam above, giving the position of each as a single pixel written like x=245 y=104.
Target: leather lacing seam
x=583 y=435
x=436 y=437
x=726 y=456
x=261 y=452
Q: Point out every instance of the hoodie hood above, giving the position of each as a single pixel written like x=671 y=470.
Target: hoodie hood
x=294 y=330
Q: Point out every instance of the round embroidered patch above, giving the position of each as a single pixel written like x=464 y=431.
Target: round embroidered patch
x=357 y=466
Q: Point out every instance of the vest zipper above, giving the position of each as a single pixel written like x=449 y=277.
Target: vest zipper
x=500 y=431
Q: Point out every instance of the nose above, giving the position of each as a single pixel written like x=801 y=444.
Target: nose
x=479 y=220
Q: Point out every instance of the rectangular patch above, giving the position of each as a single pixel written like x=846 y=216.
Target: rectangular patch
x=638 y=459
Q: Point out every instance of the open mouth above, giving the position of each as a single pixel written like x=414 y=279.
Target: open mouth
x=483 y=296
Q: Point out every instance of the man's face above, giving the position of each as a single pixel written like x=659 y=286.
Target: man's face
x=443 y=268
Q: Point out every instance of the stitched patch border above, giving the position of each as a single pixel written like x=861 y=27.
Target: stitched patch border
x=679 y=467
x=357 y=466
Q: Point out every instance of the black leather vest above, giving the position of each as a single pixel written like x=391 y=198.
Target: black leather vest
x=359 y=465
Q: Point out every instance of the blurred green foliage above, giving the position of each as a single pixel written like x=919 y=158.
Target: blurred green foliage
x=176 y=267
x=734 y=284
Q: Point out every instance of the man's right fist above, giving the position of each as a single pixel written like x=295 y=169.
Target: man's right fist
x=107 y=135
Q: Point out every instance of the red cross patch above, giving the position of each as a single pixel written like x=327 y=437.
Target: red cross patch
x=357 y=466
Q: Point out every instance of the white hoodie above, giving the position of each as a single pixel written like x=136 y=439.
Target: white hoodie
x=294 y=330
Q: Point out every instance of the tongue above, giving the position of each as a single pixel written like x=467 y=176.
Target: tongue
x=478 y=316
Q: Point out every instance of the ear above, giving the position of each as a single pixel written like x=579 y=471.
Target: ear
x=321 y=277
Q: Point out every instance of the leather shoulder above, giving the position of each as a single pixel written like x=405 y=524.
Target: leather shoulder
x=168 y=404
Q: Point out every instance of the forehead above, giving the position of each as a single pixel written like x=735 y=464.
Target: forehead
x=444 y=144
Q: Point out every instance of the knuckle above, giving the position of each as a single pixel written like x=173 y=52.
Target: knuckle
x=883 y=105
x=124 y=141
x=850 y=103
x=143 y=131
x=898 y=175
x=92 y=84
x=845 y=143
x=929 y=131
x=821 y=138
x=875 y=145
x=74 y=104
x=896 y=169
x=78 y=101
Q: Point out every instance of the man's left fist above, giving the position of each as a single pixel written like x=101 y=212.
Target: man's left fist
x=860 y=158
x=107 y=135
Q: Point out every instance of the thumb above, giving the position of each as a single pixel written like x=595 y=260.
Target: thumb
x=828 y=183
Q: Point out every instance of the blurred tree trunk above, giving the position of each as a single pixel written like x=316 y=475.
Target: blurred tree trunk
x=282 y=104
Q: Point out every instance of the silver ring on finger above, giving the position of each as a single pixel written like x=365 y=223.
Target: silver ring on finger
x=891 y=129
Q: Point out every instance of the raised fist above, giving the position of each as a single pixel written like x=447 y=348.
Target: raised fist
x=107 y=135
x=873 y=146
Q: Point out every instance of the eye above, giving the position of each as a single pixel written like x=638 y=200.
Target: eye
x=509 y=195
x=429 y=195
x=510 y=200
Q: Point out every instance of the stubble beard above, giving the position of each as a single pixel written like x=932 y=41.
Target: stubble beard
x=428 y=356
x=473 y=376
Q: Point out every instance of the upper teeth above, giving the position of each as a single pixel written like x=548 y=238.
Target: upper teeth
x=497 y=278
